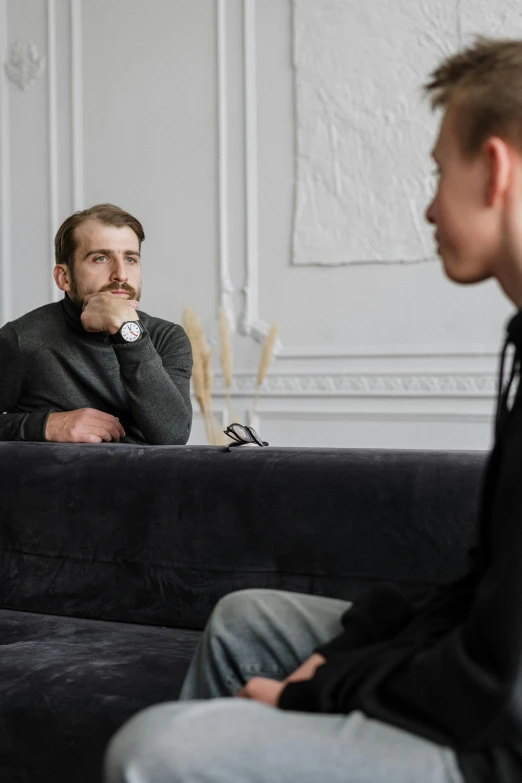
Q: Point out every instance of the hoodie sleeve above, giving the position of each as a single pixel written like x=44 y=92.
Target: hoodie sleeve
x=464 y=687
x=379 y=614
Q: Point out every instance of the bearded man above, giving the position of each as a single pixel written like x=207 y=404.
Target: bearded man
x=93 y=367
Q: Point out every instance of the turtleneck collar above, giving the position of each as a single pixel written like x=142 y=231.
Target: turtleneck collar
x=73 y=314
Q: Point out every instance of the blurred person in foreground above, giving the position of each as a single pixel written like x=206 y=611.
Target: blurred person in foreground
x=423 y=690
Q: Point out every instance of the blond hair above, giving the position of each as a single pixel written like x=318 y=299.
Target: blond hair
x=483 y=83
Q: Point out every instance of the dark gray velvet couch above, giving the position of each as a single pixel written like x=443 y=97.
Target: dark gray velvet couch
x=112 y=557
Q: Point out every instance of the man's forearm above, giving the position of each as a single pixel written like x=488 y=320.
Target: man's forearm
x=160 y=402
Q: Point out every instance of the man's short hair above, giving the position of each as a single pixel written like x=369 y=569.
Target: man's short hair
x=65 y=240
x=484 y=85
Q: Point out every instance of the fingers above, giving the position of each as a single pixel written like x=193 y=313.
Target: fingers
x=262 y=689
x=248 y=689
x=90 y=439
x=101 y=425
x=113 y=432
x=307 y=669
x=107 y=434
x=106 y=418
x=253 y=688
x=86 y=300
x=94 y=435
x=243 y=694
x=115 y=429
x=86 y=319
x=110 y=429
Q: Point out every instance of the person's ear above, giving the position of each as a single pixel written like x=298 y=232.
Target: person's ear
x=499 y=165
x=62 y=277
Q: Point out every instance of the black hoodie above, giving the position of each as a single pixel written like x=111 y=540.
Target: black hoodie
x=447 y=665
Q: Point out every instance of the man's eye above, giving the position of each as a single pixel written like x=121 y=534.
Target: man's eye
x=100 y=259
x=132 y=259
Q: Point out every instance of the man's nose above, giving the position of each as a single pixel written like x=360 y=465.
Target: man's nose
x=430 y=213
x=119 y=270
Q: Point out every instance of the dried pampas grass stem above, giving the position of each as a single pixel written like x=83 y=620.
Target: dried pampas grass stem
x=202 y=371
x=202 y=377
x=264 y=363
x=226 y=357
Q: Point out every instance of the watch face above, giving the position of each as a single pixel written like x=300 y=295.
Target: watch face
x=130 y=331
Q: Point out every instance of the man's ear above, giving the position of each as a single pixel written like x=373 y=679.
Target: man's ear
x=62 y=277
x=499 y=162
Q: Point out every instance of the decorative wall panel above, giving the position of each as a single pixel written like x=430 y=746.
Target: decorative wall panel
x=360 y=120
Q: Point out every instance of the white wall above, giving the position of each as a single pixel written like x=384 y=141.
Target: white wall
x=182 y=111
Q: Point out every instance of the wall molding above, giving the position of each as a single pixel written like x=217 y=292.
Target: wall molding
x=390 y=352
x=250 y=324
x=5 y=186
x=421 y=385
x=226 y=289
x=248 y=318
x=52 y=130
x=304 y=414
x=369 y=415
x=77 y=105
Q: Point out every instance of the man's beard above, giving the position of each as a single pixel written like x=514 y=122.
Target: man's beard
x=77 y=293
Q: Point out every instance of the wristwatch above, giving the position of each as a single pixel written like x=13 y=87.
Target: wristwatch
x=129 y=332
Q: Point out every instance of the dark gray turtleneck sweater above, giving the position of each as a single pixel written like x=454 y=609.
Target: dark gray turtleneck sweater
x=49 y=363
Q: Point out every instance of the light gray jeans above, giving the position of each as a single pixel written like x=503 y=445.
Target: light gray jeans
x=206 y=738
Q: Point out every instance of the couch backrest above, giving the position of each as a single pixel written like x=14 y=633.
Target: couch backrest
x=157 y=534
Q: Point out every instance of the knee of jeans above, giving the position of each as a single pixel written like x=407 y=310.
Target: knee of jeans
x=131 y=756
x=238 y=609
x=172 y=743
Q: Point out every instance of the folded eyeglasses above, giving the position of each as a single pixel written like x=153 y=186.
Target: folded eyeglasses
x=242 y=435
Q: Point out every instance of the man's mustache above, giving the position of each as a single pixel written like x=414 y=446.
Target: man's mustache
x=133 y=294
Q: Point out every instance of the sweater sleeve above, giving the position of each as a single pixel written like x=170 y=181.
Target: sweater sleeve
x=463 y=687
x=158 y=385
x=13 y=425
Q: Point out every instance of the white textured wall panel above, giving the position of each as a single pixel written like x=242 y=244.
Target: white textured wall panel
x=498 y=19
x=363 y=134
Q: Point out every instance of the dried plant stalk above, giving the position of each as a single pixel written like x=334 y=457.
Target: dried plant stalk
x=202 y=376
x=220 y=438
x=202 y=370
x=192 y=326
x=208 y=376
x=264 y=363
x=226 y=357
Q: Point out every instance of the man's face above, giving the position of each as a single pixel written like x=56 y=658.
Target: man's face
x=468 y=229
x=107 y=258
